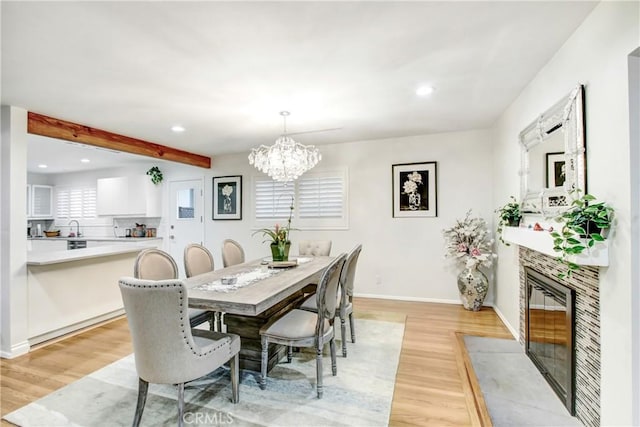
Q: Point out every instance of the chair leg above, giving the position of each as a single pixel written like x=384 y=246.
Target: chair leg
x=334 y=366
x=343 y=335
x=219 y=321
x=234 y=366
x=319 y=370
x=180 y=404
x=212 y=321
x=289 y=354
x=352 y=324
x=143 y=386
x=265 y=360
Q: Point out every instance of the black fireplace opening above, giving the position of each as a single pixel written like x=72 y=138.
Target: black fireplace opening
x=550 y=330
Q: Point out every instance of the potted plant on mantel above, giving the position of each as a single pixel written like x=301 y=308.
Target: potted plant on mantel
x=585 y=224
x=510 y=215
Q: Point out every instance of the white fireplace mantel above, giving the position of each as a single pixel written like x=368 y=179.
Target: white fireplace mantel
x=542 y=241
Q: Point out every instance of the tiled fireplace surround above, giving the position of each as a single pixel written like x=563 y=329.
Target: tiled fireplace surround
x=587 y=328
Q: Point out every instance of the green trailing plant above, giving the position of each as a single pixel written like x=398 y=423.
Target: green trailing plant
x=586 y=223
x=155 y=174
x=509 y=215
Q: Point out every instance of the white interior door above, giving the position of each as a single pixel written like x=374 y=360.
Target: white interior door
x=186 y=224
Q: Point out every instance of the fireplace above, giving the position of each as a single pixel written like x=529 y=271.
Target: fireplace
x=549 y=338
x=584 y=282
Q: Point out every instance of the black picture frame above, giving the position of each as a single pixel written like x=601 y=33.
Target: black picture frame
x=415 y=190
x=555 y=170
x=227 y=197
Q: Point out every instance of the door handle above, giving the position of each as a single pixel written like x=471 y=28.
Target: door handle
x=172 y=236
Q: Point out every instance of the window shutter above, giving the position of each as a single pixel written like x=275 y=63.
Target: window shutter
x=76 y=202
x=320 y=197
x=272 y=199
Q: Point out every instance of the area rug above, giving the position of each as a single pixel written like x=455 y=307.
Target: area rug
x=515 y=392
x=360 y=395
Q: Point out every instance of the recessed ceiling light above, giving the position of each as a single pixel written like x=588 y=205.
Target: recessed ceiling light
x=42 y=166
x=424 y=90
x=85 y=160
x=177 y=128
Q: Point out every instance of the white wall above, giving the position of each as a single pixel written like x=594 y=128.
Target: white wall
x=595 y=55
x=13 y=271
x=401 y=257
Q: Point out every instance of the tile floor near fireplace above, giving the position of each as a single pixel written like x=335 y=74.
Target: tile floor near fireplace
x=515 y=392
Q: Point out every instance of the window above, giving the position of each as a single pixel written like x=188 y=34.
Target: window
x=320 y=201
x=75 y=202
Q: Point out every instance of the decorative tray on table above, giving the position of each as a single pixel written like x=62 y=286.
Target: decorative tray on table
x=283 y=264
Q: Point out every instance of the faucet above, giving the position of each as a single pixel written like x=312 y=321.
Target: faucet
x=77 y=226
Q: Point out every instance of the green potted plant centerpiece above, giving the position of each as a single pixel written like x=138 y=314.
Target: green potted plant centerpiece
x=279 y=238
x=509 y=215
x=586 y=223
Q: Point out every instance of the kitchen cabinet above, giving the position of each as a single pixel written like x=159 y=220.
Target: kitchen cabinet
x=39 y=201
x=129 y=196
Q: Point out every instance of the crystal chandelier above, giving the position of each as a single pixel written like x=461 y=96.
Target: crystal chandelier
x=286 y=159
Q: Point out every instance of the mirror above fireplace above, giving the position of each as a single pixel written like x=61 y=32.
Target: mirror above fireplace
x=553 y=156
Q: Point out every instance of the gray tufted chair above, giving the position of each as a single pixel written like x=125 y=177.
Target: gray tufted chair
x=346 y=298
x=314 y=247
x=199 y=260
x=301 y=328
x=166 y=349
x=232 y=253
x=154 y=264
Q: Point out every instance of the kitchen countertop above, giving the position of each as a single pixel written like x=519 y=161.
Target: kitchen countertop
x=56 y=257
x=98 y=239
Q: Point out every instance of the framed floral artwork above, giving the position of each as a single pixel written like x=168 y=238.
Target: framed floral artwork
x=227 y=197
x=415 y=190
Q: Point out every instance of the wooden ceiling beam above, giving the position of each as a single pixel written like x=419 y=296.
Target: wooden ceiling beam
x=54 y=128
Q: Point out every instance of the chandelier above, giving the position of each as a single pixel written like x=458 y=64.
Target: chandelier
x=286 y=159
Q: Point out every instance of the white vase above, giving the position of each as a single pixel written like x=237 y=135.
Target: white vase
x=473 y=286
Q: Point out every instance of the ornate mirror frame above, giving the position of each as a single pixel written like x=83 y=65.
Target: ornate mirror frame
x=566 y=116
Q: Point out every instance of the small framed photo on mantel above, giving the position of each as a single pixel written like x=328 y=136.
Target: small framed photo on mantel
x=227 y=197
x=415 y=190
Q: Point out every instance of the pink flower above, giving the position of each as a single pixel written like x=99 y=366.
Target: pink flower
x=462 y=247
x=475 y=252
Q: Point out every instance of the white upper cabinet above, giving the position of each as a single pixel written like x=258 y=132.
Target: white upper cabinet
x=129 y=196
x=39 y=201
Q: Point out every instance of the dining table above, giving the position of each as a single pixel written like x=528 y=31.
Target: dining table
x=251 y=294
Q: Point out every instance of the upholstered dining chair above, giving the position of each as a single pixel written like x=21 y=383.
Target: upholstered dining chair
x=346 y=298
x=232 y=253
x=314 y=247
x=166 y=349
x=155 y=264
x=199 y=260
x=301 y=328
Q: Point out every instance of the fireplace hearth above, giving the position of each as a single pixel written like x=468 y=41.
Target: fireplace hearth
x=550 y=325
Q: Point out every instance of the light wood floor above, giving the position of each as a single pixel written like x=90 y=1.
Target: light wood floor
x=429 y=389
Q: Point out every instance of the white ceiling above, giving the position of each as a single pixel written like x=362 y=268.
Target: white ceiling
x=224 y=70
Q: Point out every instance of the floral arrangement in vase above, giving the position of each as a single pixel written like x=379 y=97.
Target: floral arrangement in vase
x=410 y=188
x=469 y=243
x=279 y=238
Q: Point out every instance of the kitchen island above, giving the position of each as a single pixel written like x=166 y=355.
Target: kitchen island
x=72 y=289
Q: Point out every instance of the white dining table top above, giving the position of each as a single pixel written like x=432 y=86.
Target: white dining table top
x=265 y=290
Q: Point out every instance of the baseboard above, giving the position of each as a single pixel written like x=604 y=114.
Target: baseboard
x=412 y=299
x=80 y=326
x=16 y=350
x=516 y=334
